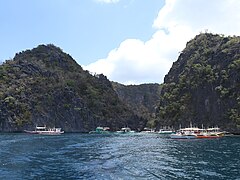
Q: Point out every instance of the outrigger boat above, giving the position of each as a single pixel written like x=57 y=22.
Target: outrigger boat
x=210 y=133
x=185 y=133
x=45 y=131
x=147 y=130
x=101 y=130
x=166 y=130
x=206 y=135
x=215 y=131
x=125 y=130
x=193 y=133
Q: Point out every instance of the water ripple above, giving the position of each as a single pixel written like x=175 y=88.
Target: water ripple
x=84 y=156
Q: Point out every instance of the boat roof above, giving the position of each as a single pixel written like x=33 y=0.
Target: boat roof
x=191 y=129
x=125 y=128
x=213 y=128
x=40 y=127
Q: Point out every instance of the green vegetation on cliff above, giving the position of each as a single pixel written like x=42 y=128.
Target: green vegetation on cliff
x=203 y=85
x=141 y=99
x=46 y=86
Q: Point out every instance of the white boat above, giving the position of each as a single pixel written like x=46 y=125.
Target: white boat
x=186 y=133
x=192 y=133
x=45 y=131
x=215 y=131
x=100 y=130
x=228 y=134
x=181 y=136
x=126 y=130
x=209 y=133
x=148 y=130
x=165 y=131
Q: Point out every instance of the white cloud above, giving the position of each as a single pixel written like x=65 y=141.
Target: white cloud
x=218 y=16
x=108 y=1
x=135 y=61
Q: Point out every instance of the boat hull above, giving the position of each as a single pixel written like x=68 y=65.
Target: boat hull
x=45 y=131
x=207 y=137
x=175 y=136
x=31 y=132
x=167 y=132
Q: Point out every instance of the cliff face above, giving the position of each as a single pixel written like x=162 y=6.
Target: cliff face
x=203 y=85
x=46 y=86
x=141 y=99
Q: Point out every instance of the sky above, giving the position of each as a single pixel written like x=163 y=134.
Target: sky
x=129 y=41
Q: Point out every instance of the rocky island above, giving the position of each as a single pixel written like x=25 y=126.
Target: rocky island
x=203 y=85
x=46 y=86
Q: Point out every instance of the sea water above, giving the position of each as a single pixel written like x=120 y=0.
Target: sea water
x=126 y=156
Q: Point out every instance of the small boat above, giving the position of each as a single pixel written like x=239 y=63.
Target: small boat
x=192 y=133
x=148 y=130
x=228 y=134
x=215 y=131
x=185 y=133
x=45 y=131
x=210 y=133
x=183 y=136
x=125 y=130
x=165 y=131
x=100 y=130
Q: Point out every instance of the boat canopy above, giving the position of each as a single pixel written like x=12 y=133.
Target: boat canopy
x=40 y=127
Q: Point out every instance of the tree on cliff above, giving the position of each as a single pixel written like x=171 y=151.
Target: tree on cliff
x=46 y=86
x=203 y=85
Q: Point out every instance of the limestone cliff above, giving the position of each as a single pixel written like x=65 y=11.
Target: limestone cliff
x=203 y=85
x=45 y=86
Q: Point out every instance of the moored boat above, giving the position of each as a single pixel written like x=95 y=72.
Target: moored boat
x=185 y=133
x=210 y=133
x=147 y=130
x=100 y=130
x=45 y=131
x=228 y=134
x=192 y=133
x=215 y=131
x=125 y=130
x=165 y=131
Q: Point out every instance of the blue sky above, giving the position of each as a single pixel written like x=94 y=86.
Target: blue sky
x=130 y=41
x=86 y=29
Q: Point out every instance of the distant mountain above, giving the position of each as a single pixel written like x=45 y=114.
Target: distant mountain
x=45 y=86
x=141 y=99
x=203 y=85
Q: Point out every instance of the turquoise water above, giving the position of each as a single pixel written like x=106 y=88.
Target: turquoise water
x=138 y=156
